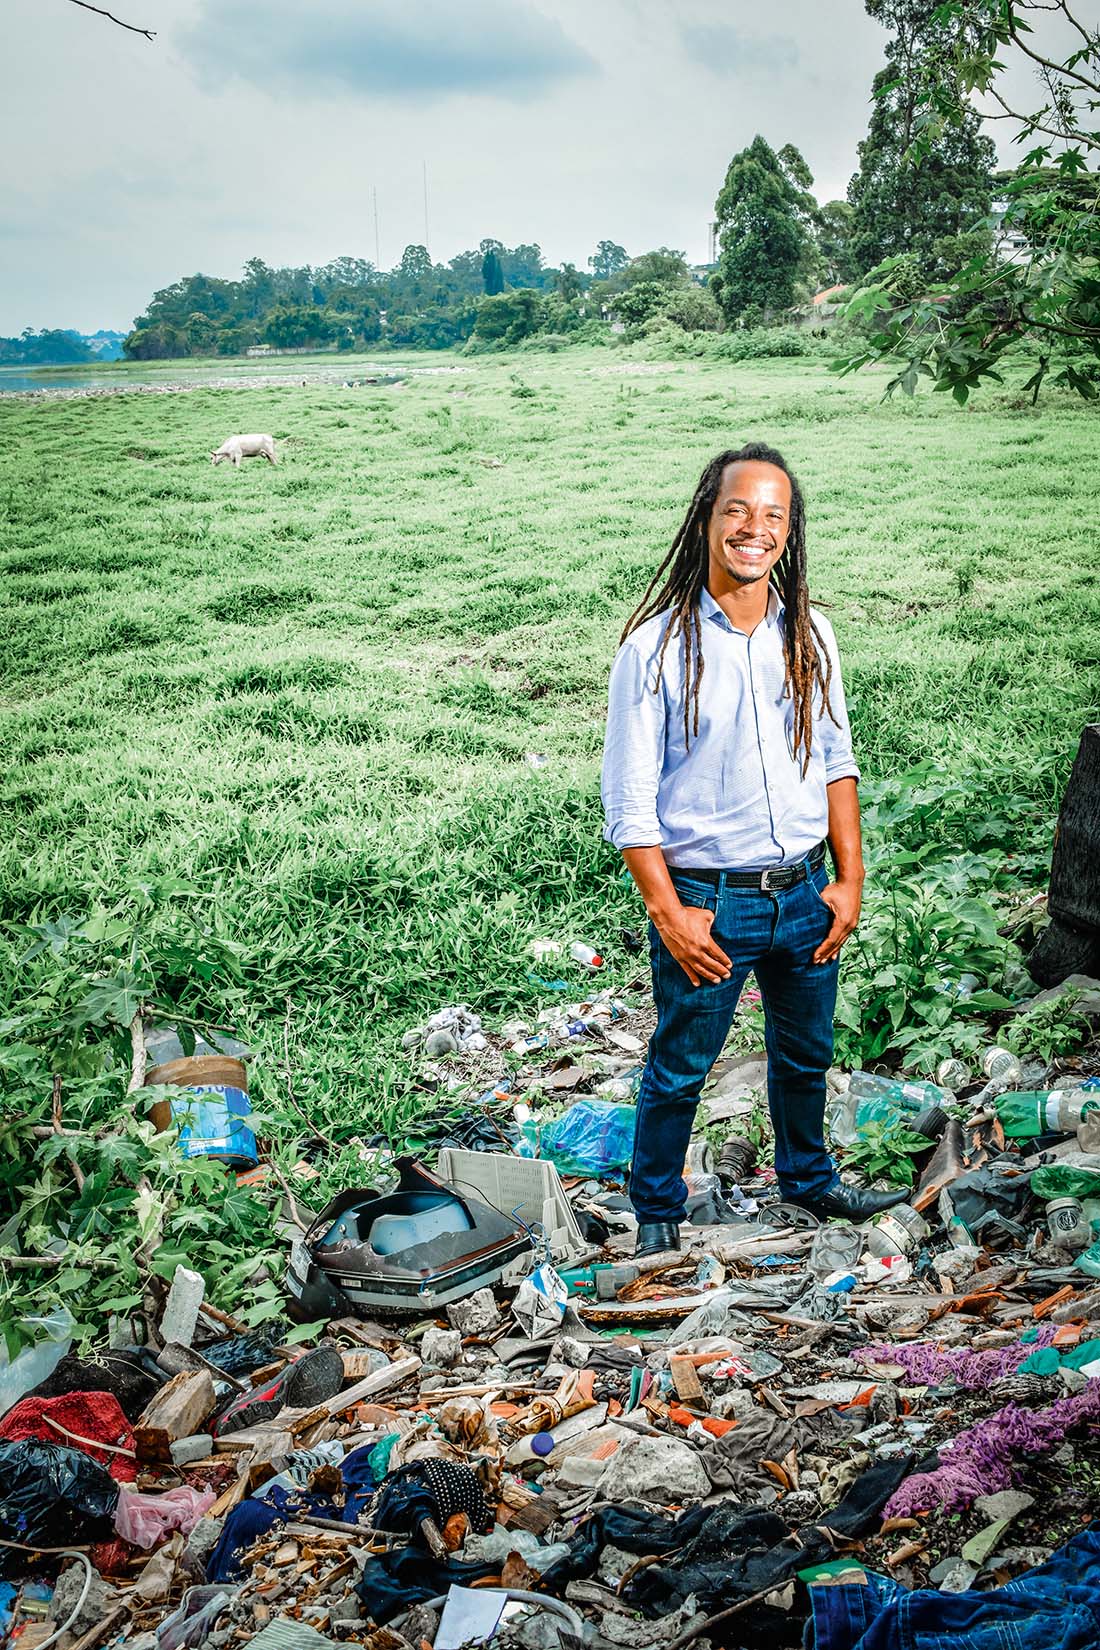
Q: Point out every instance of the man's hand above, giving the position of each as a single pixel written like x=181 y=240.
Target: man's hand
x=844 y=900
x=686 y=932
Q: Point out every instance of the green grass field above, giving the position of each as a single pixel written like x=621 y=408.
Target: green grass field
x=307 y=694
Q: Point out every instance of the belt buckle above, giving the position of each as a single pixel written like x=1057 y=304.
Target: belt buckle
x=765 y=882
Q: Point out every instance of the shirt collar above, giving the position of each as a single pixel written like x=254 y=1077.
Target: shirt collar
x=710 y=609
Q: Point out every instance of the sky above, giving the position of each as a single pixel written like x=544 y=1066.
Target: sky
x=265 y=127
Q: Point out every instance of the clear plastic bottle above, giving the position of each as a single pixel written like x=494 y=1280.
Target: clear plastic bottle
x=874 y=1099
x=952 y=1074
x=1001 y=1066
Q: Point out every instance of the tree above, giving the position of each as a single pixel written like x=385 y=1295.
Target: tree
x=834 y=228
x=416 y=264
x=297 y=326
x=52 y=346
x=662 y=265
x=694 y=308
x=506 y=317
x=762 y=215
x=900 y=207
x=492 y=270
x=960 y=330
x=640 y=302
x=607 y=260
x=523 y=265
x=568 y=281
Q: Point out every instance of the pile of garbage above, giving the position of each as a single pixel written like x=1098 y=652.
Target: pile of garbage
x=501 y=1426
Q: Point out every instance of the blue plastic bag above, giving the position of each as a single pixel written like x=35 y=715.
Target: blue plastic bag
x=594 y=1137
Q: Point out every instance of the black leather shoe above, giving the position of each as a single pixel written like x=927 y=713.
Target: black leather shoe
x=657 y=1237
x=843 y=1202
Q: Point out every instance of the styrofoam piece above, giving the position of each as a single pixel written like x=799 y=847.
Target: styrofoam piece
x=527 y=1188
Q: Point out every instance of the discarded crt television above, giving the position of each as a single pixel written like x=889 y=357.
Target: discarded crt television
x=407 y=1251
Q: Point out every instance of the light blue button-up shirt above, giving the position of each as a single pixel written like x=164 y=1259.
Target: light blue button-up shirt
x=736 y=798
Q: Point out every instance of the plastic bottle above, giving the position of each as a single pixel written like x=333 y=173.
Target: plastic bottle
x=1024 y=1113
x=874 y=1099
x=536 y=1447
x=1067 y=1224
x=522 y=1114
x=1001 y=1065
x=961 y=988
x=952 y=1074
x=836 y=1247
x=585 y=955
x=39 y=1360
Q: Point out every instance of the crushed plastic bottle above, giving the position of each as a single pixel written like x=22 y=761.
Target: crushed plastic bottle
x=952 y=1074
x=874 y=1099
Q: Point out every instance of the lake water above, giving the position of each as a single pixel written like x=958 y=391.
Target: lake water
x=187 y=375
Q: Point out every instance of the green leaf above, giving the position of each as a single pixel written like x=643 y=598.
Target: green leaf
x=304 y=1332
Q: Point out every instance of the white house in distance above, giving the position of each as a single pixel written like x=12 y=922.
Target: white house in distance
x=1009 y=241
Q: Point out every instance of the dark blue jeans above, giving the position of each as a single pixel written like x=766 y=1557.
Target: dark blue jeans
x=1054 y=1607
x=773 y=935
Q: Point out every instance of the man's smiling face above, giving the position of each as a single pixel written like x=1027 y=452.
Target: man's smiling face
x=748 y=524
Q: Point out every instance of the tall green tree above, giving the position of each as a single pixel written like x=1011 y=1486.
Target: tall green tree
x=834 y=230
x=607 y=260
x=901 y=207
x=763 y=212
x=1047 y=293
x=492 y=269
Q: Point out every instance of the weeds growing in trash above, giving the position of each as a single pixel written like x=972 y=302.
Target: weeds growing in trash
x=1048 y=1030
x=334 y=744
x=885 y=1151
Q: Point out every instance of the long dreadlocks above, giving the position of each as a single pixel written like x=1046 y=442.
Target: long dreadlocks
x=807 y=665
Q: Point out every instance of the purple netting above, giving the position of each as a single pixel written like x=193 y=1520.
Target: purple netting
x=981 y=1459
x=929 y=1364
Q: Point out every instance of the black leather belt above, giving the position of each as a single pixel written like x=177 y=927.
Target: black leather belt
x=778 y=877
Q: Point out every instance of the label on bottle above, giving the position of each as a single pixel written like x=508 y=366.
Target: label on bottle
x=914 y=1091
x=1049 y=1110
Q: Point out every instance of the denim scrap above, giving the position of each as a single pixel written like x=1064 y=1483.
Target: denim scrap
x=1053 y=1607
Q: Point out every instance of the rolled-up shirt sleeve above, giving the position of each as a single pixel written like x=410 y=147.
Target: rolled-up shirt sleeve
x=834 y=731
x=633 y=754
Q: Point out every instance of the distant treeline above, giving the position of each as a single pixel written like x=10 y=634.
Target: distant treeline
x=501 y=293
x=59 y=347
x=777 y=247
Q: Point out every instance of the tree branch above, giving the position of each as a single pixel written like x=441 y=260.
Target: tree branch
x=1065 y=332
x=1059 y=68
x=149 y=34
x=1085 y=36
x=1032 y=124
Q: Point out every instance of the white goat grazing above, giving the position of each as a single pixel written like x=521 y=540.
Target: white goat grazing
x=245 y=446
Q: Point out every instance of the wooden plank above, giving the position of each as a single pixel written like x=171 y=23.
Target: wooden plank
x=176 y=1411
x=359 y=1364
x=383 y=1380
x=689 y=1388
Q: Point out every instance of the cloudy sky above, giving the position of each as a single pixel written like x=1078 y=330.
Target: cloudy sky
x=263 y=126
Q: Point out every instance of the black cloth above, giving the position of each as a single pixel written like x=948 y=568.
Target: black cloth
x=119 y=1373
x=392 y=1583
x=720 y=1553
x=430 y=1489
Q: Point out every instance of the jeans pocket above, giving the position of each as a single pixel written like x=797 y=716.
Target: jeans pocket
x=702 y=895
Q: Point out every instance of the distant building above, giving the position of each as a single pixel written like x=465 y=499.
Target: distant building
x=1010 y=244
x=821 y=310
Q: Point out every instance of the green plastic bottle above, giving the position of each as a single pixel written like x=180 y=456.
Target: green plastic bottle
x=1024 y=1113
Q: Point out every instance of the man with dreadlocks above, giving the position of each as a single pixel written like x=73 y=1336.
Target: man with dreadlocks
x=727 y=764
